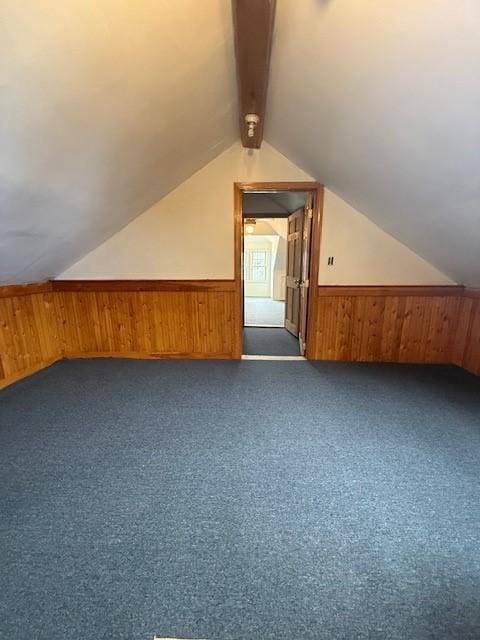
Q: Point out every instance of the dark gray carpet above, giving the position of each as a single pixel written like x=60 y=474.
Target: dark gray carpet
x=263 y=341
x=240 y=500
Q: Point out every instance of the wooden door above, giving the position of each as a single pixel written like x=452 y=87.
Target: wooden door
x=294 y=271
x=305 y=273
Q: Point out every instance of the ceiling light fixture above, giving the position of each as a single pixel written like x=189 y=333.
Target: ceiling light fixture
x=250 y=225
x=252 y=120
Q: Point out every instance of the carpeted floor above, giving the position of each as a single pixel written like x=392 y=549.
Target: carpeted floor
x=264 y=311
x=263 y=341
x=240 y=500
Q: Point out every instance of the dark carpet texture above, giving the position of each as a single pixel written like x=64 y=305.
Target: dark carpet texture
x=240 y=500
x=263 y=341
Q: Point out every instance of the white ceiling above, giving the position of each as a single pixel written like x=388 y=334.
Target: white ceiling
x=105 y=106
x=380 y=101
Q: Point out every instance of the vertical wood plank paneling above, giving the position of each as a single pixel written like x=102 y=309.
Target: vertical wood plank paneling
x=462 y=330
x=357 y=327
x=392 y=328
x=46 y=323
x=325 y=335
x=38 y=326
x=29 y=338
x=471 y=356
x=411 y=346
x=443 y=328
x=344 y=326
x=147 y=323
x=371 y=346
x=385 y=327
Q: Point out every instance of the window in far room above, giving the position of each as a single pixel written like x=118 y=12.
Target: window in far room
x=256 y=266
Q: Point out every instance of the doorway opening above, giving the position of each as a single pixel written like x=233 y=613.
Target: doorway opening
x=277 y=245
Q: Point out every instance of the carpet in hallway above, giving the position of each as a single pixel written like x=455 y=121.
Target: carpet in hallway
x=265 y=341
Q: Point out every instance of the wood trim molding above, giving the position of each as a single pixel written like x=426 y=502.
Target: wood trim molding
x=393 y=290
x=142 y=355
x=316 y=239
x=16 y=290
x=142 y=285
x=466 y=350
x=318 y=191
x=472 y=293
x=279 y=186
x=238 y=271
x=272 y=214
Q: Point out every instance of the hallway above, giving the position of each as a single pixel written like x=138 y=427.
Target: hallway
x=266 y=341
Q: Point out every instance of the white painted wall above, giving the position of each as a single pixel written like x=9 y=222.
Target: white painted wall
x=364 y=254
x=280 y=225
x=189 y=233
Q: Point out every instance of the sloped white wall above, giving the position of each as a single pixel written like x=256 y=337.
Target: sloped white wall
x=189 y=233
x=380 y=101
x=364 y=254
x=105 y=107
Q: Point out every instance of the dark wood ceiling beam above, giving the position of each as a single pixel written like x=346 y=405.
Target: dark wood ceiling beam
x=253 y=31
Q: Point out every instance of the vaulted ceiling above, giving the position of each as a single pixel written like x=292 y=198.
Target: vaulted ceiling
x=107 y=105
x=380 y=100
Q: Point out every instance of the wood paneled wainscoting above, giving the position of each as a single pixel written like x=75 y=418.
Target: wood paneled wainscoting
x=44 y=322
x=467 y=344
x=28 y=331
x=41 y=323
x=147 y=319
x=386 y=324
